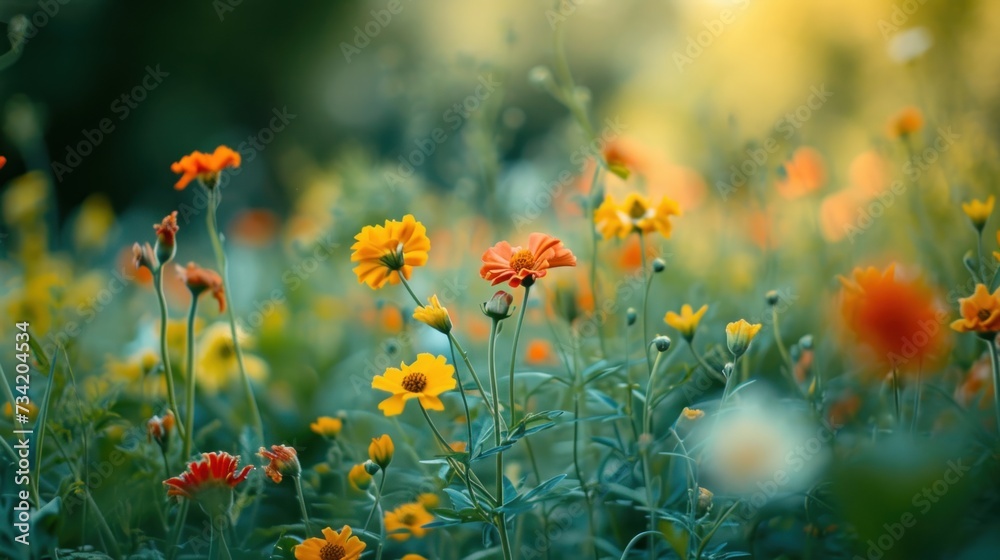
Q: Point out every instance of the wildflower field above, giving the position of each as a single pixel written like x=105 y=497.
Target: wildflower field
x=500 y=280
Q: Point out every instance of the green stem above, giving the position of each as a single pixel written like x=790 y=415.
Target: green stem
x=378 y=498
x=647 y=280
x=647 y=428
x=592 y=210
x=214 y=198
x=995 y=362
x=647 y=420
x=578 y=388
x=190 y=380
x=513 y=353
x=895 y=394
x=708 y=537
x=500 y=519
x=781 y=346
x=472 y=370
x=302 y=504
x=164 y=353
x=982 y=262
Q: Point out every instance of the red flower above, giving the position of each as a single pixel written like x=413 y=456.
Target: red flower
x=204 y=167
x=284 y=460
x=215 y=470
x=199 y=279
x=517 y=265
x=166 y=230
x=3 y=162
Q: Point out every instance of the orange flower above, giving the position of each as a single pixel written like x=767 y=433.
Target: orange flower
x=980 y=312
x=977 y=387
x=907 y=121
x=283 y=460
x=215 y=470
x=539 y=352
x=159 y=428
x=200 y=279
x=204 y=167
x=256 y=227
x=898 y=319
x=333 y=546
x=166 y=238
x=802 y=174
x=518 y=265
x=398 y=246
x=3 y=162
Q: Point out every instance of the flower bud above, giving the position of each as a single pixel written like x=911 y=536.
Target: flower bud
x=381 y=450
x=159 y=429
x=806 y=342
x=727 y=369
x=772 y=298
x=370 y=467
x=143 y=256
x=704 y=502
x=662 y=343
x=739 y=335
x=283 y=461
x=659 y=265
x=166 y=238
x=498 y=308
x=631 y=315
x=540 y=76
x=359 y=478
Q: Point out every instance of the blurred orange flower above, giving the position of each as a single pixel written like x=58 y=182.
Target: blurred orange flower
x=199 y=279
x=518 y=265
x=407 y=520
x=907 y=121
x=978 y=384
x=539 y=352
x=204 y=167
x=802 y=174
x=899 y=320
x=255 y=227
x=395 y=247
x=3 y=162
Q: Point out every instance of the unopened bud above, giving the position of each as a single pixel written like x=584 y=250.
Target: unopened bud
x=727 y=369
x=498 y=308
x=771 y=298
x=631 y=315
x=659 y=265
x=662 y=343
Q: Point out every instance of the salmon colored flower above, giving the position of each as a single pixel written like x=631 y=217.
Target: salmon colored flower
x=979 y=211
x=524 y=265
x=204 y=167
x=434 y=315
x=739 y=335
x=539 y=352
x=407 y=520
x=687 y=321
x=904 y=123
x=333 y=546
x=424 y=379
x=199 y=279
x=395 y=247
x=980 y=312
x=898 y=319
x=209 y=482
x=802 y=174
x=381 y=450
x=327 y=426
x=283 y=460
x=635 y=214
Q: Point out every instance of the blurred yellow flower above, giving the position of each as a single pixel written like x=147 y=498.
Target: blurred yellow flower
x=333 y=546
x=636 y=213
x=739 y=335
x=407 y=520
x=413 y=557
x=980 y=312
x=424 y=379
x=396 y=247
x=93 y=222
x=458 y=446
x=327 y=426
x=692 y=413
x=979 y=211
x=32 y=410
x=434 y=315
x=687 y=321
x=429 y=500
x=907 y=121
x=381 y=450
x=25 y=199
x=359 y=478
x=216 y=363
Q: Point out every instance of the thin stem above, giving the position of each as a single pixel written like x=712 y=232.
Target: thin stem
x=578 y=388
x=647 y=428
x=647 y=420
x=165 y=354
x=592 y=209
x=711 y=533
x=513 y=353
x=472 y=370
x=781 y=345
x=177 y=531
x=302 y=504
x=648 y=483
x=214 y=198
x=190 y=380
x=500 y=519
x=647 y=280
x=465 y=400
x=916 y=399
x=378 y=498
x=895 y=394
x=982 y=261
x=995 y=362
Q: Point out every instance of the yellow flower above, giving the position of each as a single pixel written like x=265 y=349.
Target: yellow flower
x=979 y=211
x=692 y=413
x=458 y=446
x=407 y=520
x=739 y=335
x=25 y=199
x=395 y=247
x=434 y=316
x=980 y=312
x=424 y=380
x=636 y=213
x=413 y=557
x=93 y=223
x=687 y=321
x=216 y=362
x=380 y=450
x=359 y=477
x=327 y=426
x=907 y=121
x=429 y=500
x=334 y=546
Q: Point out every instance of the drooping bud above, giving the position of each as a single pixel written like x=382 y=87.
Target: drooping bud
x=498 y=308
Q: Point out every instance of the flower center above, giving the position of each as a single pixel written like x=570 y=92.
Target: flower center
x=226 y=351
x=415 y=382
x=408 y=519
x=637 y=210
x=332 y=552
x=394 y=259
x=983 y=314
x=521 y=260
